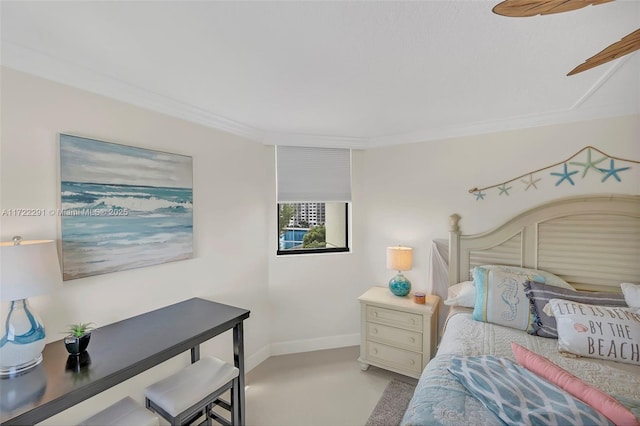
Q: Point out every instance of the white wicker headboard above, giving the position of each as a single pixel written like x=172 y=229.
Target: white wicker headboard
x=593 y=242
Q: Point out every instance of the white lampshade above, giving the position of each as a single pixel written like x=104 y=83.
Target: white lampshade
x=28 y=269
x=399 y=258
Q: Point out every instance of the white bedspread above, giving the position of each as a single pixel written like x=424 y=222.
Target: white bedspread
x=469 y=337
x=440 y=399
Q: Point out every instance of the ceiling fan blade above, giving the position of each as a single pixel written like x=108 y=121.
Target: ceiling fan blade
x=523 y=8
x=628 y=44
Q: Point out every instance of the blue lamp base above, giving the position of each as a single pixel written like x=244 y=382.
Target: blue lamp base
x=23 y=340
x=399 y=285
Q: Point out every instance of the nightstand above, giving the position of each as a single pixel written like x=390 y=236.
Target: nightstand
x=396 y=333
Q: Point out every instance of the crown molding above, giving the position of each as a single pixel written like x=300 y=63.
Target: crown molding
x=503 y=125
x=575 y=113
x=600 y=82
x=64 y=72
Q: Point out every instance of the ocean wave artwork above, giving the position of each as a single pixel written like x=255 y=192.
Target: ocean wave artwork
x=122 y=207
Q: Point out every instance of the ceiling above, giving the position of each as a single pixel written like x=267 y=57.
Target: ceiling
x=353 y=74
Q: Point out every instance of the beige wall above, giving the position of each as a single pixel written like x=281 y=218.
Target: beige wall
x=412 y=189
x=230 y=216
x=404 y=195
x=313 y=297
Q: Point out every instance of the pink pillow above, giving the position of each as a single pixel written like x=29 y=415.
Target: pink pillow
x=604 y=403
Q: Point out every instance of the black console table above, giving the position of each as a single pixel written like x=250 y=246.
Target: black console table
x=116 y=353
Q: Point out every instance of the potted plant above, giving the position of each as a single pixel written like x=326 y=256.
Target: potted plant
x=78 y=338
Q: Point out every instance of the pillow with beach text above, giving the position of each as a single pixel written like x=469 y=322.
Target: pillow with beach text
x=611 y=333
x=539 y=295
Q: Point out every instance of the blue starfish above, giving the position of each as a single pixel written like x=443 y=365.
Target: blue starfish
x=566 y=175
x=479 y=195
x=612 y=171
x=589 y=164
x=503 y=189
x=531 y=182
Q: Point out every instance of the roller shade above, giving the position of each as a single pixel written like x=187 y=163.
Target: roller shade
x=313 y=174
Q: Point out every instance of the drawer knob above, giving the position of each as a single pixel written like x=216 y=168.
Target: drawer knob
x=374 y=351
x=412 y=362
x=375 y=314
x=374 y=330
x=412 y=339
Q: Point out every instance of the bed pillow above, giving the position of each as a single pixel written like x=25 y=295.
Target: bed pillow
x=517 y=396
x=603 y=402
x=461 y=294
x=539 y=295
x=611 y=333
x=500 y=299
x=631 y=294
x=534 y=274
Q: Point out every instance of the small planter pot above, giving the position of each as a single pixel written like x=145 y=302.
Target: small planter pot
x=77 y=345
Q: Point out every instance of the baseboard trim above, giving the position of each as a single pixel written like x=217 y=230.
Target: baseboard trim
x=257 y=358
x=317 y=344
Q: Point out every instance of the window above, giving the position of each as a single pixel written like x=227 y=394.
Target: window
x=312 y=227
x=314 y=192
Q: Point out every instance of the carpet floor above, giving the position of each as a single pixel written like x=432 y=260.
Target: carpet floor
x=392 y=404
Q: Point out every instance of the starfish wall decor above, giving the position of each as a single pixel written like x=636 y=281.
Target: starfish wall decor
x=531 y=179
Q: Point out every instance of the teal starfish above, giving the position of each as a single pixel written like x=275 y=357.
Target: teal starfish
x=531 y=182
x=503 y=189
x=479 y=195
x=566 y=175
x=589 y=164
x=612 y=171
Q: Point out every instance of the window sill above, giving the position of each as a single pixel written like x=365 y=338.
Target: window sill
x=287 y=253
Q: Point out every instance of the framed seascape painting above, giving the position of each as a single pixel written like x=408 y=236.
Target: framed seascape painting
x=122 y=207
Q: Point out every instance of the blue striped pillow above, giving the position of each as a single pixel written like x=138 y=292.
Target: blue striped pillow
x=517 y=396
x=539 y=295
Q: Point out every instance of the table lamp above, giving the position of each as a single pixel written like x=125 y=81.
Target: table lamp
x=399 y=259
x=27 y=268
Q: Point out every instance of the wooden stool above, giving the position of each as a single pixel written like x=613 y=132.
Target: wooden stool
x=194 y=391
x=125 y=412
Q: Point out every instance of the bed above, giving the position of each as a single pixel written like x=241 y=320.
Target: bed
x=590 y=242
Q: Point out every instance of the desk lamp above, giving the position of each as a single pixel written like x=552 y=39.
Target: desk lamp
x=27 y=268
x=399 y=259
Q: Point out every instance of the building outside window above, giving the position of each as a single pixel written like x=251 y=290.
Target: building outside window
x=314 y=194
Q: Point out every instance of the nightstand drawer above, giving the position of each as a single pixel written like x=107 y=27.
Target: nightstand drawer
x=394 y=357
x=395 y=336
x=394 y=318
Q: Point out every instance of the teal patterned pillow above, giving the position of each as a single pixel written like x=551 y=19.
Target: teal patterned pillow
x=500 y=299
x=517 y=396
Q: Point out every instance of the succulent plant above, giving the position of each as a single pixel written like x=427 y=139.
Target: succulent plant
x=79 y=330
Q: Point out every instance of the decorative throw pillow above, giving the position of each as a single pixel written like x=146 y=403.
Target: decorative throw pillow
x=611 y=333
x=631 y=294
x=461 y=294
x=500 y=299
x=539 y=295
x=534 y=274
x=603 y=402
x=519 y=397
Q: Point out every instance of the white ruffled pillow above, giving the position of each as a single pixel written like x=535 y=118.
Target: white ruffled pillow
x=461 y=294
x=533 y=274
x=631 y=294
x=464 y=293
